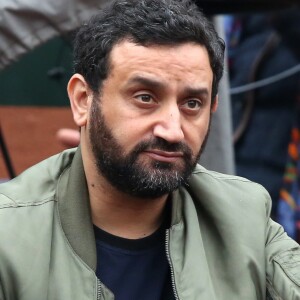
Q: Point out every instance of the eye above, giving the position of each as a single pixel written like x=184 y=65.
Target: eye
x=145 y=98
x=192 y=105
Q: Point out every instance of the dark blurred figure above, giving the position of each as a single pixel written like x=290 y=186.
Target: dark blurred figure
x=262 y=46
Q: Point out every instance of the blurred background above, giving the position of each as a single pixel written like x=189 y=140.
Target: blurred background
x=255 y=133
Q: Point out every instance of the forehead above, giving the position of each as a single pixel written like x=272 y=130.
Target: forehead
x=186 y=61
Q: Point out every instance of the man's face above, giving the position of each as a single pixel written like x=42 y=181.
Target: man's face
x=151 y=121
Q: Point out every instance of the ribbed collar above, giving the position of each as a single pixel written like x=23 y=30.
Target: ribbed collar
x=75 y=211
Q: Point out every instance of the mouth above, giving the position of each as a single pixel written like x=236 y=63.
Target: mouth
x=164 y=156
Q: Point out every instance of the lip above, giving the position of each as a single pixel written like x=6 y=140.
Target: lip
x=164 y=156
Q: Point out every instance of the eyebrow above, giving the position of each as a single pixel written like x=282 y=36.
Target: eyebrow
x=196 y=91
x=152 y=83
x=155 y=84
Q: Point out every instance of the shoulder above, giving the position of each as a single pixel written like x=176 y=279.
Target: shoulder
x=36 y=185
x=206 y=177
x=228 y=190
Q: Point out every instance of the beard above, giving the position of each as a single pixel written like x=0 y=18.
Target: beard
x=129 y=173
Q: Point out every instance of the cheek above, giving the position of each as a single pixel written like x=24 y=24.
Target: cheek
x=120 y=118
x=128 y=132
x=195 y=135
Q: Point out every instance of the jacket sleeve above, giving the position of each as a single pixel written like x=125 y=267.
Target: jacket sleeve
x=25 y=24
x=282 y=263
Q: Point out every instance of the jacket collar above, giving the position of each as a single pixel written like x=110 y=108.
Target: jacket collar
x=75 y=213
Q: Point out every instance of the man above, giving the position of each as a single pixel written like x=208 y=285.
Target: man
x=130 y=214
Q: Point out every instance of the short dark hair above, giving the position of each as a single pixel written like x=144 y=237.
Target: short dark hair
x=144 y=22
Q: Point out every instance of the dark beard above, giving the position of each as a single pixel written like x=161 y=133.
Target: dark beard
x=130 y=175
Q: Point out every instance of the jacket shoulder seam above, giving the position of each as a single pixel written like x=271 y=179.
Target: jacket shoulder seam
x=222 y=176
x=15 y=204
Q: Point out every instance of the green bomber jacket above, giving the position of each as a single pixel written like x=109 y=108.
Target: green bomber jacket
x=221 y=245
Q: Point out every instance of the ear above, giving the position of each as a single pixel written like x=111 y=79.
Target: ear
x=80 y=96
x=214 y=106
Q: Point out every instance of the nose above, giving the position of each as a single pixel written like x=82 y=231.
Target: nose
x=168 y=126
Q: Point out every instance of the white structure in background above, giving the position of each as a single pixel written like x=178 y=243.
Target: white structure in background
x=219 y=154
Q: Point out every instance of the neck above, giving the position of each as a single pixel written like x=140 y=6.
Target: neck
x=125 y=216
x=121 y=214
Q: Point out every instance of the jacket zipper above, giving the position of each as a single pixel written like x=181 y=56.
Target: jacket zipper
x=99 y=290
x=171 y=265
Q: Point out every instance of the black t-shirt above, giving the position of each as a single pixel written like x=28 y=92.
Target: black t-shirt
x=134 y=269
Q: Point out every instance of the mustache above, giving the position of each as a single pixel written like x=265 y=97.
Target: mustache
x=161 y=144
